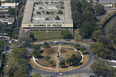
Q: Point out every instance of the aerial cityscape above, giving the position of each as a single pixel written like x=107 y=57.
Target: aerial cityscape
x=57 y=38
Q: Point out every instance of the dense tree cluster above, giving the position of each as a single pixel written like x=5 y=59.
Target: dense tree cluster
x=20 y=68
x=36 y=52
x=101 y=69
x=101 y=51
x=73 y=60
x=84 y=16
x=99 y=9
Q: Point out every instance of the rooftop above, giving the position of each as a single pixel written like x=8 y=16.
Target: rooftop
x=47 y=11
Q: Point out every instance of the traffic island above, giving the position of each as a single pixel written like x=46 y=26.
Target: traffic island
x=61 y=58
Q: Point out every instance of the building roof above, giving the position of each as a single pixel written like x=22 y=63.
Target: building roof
x=9 y=4
x=31 y=10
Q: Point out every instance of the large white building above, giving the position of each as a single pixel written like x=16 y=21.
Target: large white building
x=47 y=15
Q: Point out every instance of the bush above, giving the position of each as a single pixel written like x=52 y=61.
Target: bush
x=63 y=51
x=46 y=45
x=60 y=12
x=50 y=51
x=38 y=12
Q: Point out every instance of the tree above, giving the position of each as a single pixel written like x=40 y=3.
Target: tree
x=99 y=9
x=77 y=46
x=11 y=11
x=24 y=42
x=88 y=16
x=57 y=18
x=100 y=50
x=69 y=61
x=37 y=47
x=3 y=27
x=38 y=12
x=74 y=59
x=21 y=63
x=2 y=44
x=31 y=35
x=45 y=45
x=36 y=51
x=62 y=63
x=65 y=33
x=101 y=69
x=60 y=12
x=96 y=33
x=87 y=28
x=51 y=62
x=36 y=75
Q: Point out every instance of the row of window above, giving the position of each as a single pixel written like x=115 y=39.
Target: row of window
x=48 y=25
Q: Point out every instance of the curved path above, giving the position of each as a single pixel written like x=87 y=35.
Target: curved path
x=83 y=69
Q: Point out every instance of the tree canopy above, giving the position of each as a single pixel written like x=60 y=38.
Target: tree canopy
x=99 y=9
x=101 y=69
x=87 y=28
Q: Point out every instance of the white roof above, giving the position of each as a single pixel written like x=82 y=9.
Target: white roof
x=9 y=4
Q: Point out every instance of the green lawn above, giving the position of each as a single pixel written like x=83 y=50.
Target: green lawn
x=43 y=35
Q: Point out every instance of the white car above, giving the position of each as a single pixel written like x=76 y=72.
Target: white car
x=55 y=42
x=61 y=73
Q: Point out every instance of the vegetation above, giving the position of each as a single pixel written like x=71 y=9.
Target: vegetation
x=87 y=28
x=46 y=59
x=66 y=33
x=101 y=51
x=99 y=9
x=31 y=36
x=60 y=12
x=36 y=75
x=84 y=17
x=47 y=12
x=57 y=18
x=11 y=11
x=62 y=63
x=77 y=46
x=45 y=45
x=43 y=35
x=101 y=69
x=36 y=52
x=20 y=68
x=38 y=12
x=73 y=60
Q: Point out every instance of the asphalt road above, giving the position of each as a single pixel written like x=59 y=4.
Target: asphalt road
x=83 y=69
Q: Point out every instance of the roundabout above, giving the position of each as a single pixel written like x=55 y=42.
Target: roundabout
x=38 y=67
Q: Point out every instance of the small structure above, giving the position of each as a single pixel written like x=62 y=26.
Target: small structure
x=6 y=5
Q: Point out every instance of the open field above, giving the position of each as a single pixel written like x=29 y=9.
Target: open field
x=43 y=35
x=68 y=52
x=46 y=57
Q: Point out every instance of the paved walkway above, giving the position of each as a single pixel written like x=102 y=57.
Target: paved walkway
x=57 y=61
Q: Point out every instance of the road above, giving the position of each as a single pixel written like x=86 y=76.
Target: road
x=83 y=69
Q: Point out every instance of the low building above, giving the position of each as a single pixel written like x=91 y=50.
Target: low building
x=7 y=20
x=6 y=5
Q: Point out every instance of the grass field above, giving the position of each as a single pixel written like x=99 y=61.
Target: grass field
x=45 y=61
x=43 y=35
